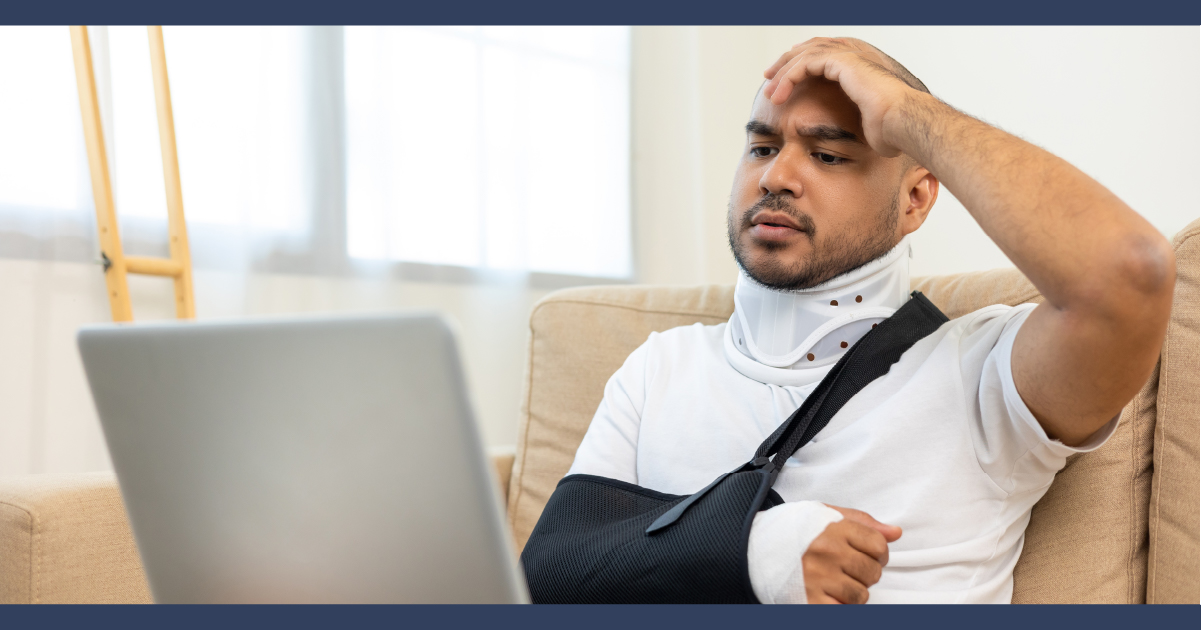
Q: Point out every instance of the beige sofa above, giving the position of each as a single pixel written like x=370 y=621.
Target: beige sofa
x=1118 y=525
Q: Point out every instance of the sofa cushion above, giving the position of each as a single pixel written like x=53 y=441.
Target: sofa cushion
x=64 y=539
x=1172 y=565
x=1087 y=538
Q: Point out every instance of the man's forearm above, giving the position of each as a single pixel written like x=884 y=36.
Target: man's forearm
x=1105 y=272
x=1075 y=240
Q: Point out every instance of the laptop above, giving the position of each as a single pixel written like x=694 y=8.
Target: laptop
x=302 y=460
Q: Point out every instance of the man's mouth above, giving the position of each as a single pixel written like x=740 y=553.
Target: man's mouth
x=774 y=226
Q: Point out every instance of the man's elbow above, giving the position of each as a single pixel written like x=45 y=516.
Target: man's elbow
x=1147 y=266
x=1136 y=281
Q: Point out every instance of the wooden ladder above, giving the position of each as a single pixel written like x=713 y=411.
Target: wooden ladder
x=116 y=264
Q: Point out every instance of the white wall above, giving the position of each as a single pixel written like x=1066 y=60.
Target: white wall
x=1121 y=103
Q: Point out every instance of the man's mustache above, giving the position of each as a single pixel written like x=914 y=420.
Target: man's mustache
x=777 y=203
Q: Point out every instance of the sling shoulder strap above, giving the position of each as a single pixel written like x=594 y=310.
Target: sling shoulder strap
x=870 y=358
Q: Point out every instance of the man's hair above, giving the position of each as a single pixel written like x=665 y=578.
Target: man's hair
x=903 y=73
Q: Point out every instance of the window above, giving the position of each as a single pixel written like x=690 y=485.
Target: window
x=240 y=102
x=499 y=147
x=244 y=140
x=43 y=166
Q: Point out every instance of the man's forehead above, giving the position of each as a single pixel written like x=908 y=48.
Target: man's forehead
x=813 y=104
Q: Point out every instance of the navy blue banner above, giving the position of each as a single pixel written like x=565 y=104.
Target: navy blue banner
x=806 y=12
x=609 y=617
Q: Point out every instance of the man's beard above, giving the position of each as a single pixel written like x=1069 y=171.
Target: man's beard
x=835 y=255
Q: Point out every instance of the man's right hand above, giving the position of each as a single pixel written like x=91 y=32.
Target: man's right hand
x=846 y=558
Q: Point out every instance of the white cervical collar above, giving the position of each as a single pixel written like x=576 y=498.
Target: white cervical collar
x=812 y=328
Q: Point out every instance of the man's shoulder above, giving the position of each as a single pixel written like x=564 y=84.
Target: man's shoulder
x=686 y=341
x=970 y=337
x=987 y=321
x=963 y=344
x=690 y=332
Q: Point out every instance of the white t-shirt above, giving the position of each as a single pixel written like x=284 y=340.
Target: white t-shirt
x=942 y=446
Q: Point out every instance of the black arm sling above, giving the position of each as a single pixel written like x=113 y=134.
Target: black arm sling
x=604 y=541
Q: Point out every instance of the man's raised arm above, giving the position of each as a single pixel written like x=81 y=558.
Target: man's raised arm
x=1106 y=273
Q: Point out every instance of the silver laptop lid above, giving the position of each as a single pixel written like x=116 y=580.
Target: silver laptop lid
x=301 y=460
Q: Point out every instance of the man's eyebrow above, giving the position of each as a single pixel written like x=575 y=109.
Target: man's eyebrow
x=760 y=128
x=831 y=133
x=828 y=132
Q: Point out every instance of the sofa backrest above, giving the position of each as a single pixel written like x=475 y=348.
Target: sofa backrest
x=1088 y=537
x=1172 y=564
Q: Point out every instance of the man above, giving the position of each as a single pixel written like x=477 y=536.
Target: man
x=920 y=488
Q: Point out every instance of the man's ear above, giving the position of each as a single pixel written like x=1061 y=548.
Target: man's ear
x=920 y=191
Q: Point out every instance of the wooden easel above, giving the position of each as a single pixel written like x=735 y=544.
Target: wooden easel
x=116 y=263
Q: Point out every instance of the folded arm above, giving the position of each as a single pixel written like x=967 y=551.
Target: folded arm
x=1106 y=273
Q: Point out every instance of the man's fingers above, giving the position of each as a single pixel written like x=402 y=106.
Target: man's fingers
x=780 y=75
x=862 y=568
x=842 y=562
x=775 y=67
x=787 y=56
x=847 y=591
x=814 y=61
x=828 y=58
x=788 y=76
x=868 y=540
x=890 y=532
x=789 y=70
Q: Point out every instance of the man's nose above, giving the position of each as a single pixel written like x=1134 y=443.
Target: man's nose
x=782 y=177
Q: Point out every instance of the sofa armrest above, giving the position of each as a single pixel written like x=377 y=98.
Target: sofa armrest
x=64 y=538
x=502 y=463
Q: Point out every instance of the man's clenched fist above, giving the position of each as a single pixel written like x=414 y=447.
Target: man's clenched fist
x=846 y=558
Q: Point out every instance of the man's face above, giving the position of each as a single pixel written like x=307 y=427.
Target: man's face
x=811 y=199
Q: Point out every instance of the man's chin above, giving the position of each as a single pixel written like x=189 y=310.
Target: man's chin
x=773 y=254
x=779 y=265
x=776 y=271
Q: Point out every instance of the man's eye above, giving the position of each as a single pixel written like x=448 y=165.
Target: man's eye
x=826 y=158
x=762 y=152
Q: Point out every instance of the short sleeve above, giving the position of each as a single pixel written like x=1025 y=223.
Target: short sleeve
x=610 y=446
x=1013 y=448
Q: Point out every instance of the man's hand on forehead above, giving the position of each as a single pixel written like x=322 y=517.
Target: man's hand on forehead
x=871 y=79
x=1107 y=275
